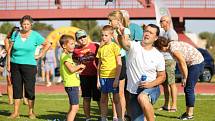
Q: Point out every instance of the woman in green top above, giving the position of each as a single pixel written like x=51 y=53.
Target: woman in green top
x=23 y=64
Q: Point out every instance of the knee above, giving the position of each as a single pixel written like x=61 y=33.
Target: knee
x=143 y=99
x=103 y=100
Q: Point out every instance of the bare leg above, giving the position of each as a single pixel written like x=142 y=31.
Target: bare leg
x=118 y=106
x=122 y=96
x=31 y=109
x=9 y=90
x=15 y=114
x=146 y=107
x=104 y=105
x=113 y=108
x=166 y=96
x=189 y=111
x=86 y=105
x=25 y=100
x=72 y=112
x=48 y=83
x=173 y=90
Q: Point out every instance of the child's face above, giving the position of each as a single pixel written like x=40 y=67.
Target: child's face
x=82 y=41
x=106 y=36
x=69 y=46
x=114 y=23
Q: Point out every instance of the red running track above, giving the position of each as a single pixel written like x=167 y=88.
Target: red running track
x=201 y=88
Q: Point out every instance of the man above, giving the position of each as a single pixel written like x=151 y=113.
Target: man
x=85 y=53
x=143 y=58
x=169 y=85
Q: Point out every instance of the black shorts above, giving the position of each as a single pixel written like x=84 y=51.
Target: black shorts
x=89 y=87
x=22 y=74
x=123 y=69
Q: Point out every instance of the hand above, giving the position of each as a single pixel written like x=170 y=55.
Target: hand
x=98 y=84
x=144 y=84
x=120 y=29
x=8 y=68
x=115 y=83
x=81 y=68
x=183 y=82
x=37 y=57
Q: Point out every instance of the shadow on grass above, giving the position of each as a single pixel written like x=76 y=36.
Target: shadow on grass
x=5 y=112
x=166 y=116
x=58 y=115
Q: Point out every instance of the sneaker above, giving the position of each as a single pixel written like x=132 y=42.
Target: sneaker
x=88 y=119
x=185 y=116
x=115 y=119
x=48 y=84
x=104 y=119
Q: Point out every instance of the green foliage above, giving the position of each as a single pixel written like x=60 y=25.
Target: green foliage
x=90 y=26
x=42 y=26
x=210 y=37
x=6 y=27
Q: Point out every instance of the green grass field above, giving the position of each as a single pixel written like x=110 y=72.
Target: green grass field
x=54 y=108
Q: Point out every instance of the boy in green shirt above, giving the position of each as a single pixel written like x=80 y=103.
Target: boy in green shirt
x=69 y=72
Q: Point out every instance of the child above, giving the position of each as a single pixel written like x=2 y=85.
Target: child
x=117 y=21
x=69 y=73
x=109 y=68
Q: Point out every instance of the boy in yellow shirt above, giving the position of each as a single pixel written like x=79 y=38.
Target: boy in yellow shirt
x=109 y=68
x=69 y=72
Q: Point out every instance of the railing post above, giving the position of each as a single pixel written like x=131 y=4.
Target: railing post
x=205 y=3
x=15 y=5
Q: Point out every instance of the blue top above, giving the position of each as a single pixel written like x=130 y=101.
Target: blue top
x=136 y=32
x=23 y=51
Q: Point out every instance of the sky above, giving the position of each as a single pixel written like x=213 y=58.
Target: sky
x=193 y=26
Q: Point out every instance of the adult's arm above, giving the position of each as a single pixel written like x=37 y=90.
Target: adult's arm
x=161 y=76
x=182 y=65
x=123 y=39
x=45 y=46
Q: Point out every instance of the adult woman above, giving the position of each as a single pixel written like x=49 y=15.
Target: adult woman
x=23 y=64
x=191 y=66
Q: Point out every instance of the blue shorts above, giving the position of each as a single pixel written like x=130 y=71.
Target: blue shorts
x=107 y=85
x=134 y=107
x=73 y=94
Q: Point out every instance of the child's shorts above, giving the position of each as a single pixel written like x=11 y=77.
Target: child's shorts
x=73 y=94
x=107 y=85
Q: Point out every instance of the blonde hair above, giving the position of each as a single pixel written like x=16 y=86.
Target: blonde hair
x=125 y=15
x=119 y=16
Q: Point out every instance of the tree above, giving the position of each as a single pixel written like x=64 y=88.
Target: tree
x=90 y=26
x=210 y=37
x=42 y=26
x=6 y=27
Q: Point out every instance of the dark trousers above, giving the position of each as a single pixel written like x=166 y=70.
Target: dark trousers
x=22 y=74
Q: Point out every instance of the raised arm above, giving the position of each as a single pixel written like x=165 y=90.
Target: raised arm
x=123 y=39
